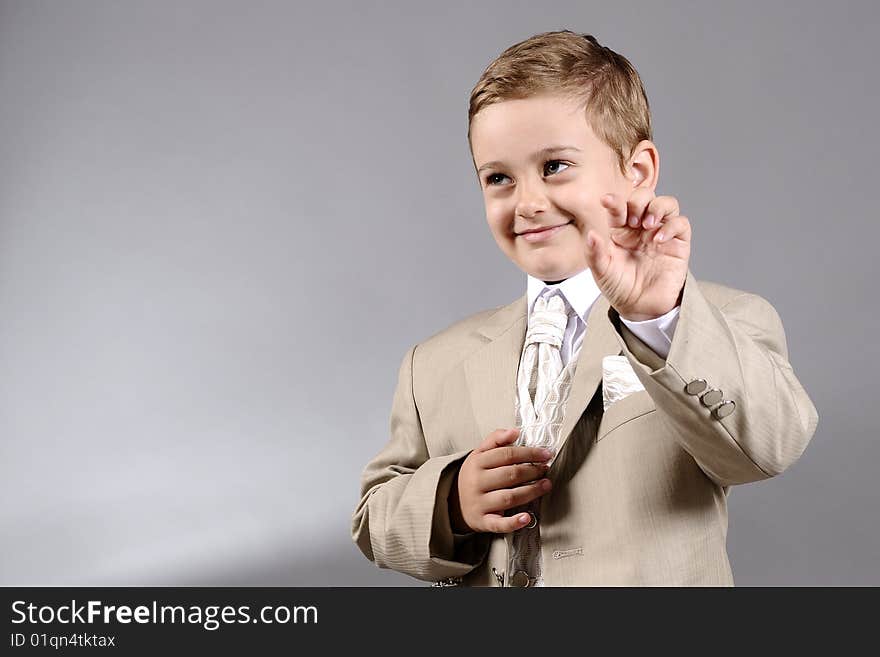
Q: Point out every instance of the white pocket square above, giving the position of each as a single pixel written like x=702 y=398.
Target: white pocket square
x=618 y=380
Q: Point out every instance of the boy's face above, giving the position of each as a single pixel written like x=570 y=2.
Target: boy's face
x=527 y=189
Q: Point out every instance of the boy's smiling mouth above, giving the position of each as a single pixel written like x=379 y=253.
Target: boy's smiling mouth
x=540 y=234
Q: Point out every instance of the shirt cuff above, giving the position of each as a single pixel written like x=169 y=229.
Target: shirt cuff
x=656 y=333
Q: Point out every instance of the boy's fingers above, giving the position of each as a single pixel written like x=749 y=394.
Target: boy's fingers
x=675 y=227
x=616 y=210
x=636 y=204
x=659 y=208
x=512 y=454
x=497 y=438
x=499 y=501
x=498 y=524
x=508 y=476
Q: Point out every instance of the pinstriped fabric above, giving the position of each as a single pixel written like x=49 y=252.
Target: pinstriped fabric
x=543 y=387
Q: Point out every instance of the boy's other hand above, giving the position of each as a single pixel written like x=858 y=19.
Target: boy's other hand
x=642 y=268
x=494 y=477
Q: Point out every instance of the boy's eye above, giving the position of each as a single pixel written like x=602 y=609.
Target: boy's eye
x=557 y=162
x=490 y=179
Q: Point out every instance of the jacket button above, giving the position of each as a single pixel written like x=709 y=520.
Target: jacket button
x=696 y=386
x=520 y=579
x=724 y=409
x=711 y=397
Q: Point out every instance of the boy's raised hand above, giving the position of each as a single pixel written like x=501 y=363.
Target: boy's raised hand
x=641 y=270
x=493 y=478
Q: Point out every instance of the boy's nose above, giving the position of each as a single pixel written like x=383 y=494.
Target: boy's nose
x=528 y=206
x=531 y=198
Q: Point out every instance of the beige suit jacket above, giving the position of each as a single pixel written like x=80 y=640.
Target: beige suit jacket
x=640 y=491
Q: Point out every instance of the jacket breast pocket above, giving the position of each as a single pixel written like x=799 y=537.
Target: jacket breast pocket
x=624 y=410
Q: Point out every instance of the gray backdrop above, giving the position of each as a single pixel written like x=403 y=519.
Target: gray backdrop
x=221 y=222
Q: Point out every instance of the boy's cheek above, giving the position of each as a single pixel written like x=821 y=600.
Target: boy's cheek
x=591 y=216
x=498 y=220
x=584 y=205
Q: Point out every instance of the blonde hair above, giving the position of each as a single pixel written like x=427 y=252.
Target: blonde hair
x=575 y=67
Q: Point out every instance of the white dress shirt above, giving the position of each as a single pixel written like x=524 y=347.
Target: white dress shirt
x=580 y=292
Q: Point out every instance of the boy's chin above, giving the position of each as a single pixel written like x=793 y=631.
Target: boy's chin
x=552 y=271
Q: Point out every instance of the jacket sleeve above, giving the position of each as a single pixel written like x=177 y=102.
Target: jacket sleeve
x=740 y=349
x=402 y=519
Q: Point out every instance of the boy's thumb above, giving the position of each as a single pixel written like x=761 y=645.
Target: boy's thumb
x=596 y=254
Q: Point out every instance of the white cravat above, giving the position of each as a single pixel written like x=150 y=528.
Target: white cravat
x=543 y=386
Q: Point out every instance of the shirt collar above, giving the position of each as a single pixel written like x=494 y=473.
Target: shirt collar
x=579 y=290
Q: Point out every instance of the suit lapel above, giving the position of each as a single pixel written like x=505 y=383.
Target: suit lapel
x=600 y=340
x=491 y=371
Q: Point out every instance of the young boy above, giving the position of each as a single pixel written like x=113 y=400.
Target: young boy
x=588 y=432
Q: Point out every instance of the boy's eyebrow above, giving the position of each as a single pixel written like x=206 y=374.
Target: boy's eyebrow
x=536 y=156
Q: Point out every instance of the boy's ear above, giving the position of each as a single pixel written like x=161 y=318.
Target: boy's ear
x=643 y=169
